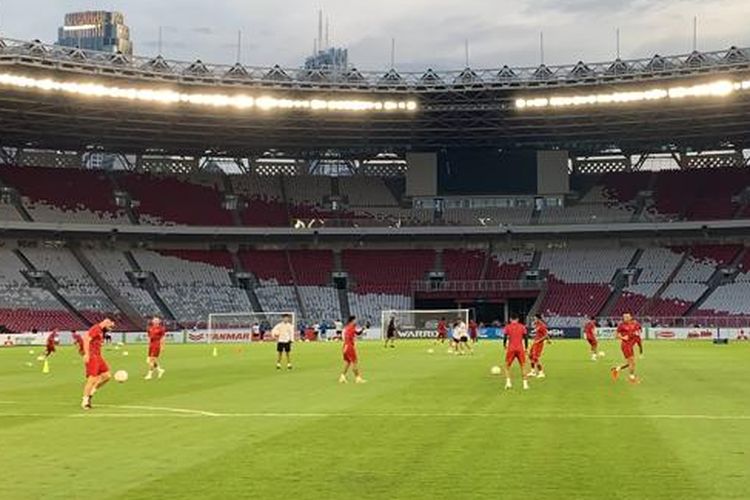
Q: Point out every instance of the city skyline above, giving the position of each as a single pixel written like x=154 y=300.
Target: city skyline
x=502 y=32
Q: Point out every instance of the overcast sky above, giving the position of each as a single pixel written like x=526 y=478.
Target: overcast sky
x=428 y=33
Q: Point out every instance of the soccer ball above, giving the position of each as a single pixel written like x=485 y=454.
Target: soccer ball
x=121 y=376
x=495 y=370
x=600 y=354
x=430 y=351
x=125 y=353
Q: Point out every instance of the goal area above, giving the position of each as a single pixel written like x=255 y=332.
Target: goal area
x=420 y=324
x=240 y=327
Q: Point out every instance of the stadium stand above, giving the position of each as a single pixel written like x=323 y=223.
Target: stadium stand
x=193 y=289
x=309 y=190
x=463 y=265
x=114 y=268
x=508 y=264
x=387 y=271
x=171 y=200
x=363 y=191
x=75 y=285
x=579 y=280
x=382 y=278
x=64 y=194
x=87 y=196
x=8 y=212
x=22 y=307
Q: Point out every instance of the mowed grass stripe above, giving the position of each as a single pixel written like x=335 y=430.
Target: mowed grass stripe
x=425 y=426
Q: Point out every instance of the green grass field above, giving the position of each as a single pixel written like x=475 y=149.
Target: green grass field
x=425 y=426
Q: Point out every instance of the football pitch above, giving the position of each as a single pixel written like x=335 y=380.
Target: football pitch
x=424 y=426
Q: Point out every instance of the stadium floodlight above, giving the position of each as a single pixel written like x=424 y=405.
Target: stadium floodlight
x=420 y=323
x=170 y=97
x=238 y=327
x=720 y=88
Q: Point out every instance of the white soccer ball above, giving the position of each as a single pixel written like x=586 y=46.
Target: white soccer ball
x=121 y=376
x=495 y=370
x=600 y=354
x=430 y=351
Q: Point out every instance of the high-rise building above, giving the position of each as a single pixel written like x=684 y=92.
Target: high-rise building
x=326 y=56
x=332 y=59
x=96 y=30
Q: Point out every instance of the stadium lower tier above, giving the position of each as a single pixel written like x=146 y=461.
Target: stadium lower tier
x=45 y=286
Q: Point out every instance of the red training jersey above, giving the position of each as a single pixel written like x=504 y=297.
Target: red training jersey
x=442 y=327
x=589 y=329
x=629 y=331
x=52 y=338
x=515 y=332
x=78 y=340
x=156 y=333
x=473 y=327
x=96 y=336
x=350 y=334
x=540 y=330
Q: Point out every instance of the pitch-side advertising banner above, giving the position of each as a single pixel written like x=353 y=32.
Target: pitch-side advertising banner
x=223 y=336
x=659 y=333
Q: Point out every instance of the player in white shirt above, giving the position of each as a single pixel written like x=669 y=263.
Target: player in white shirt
x=283 y=332
x=339 y=326
x=460 y=337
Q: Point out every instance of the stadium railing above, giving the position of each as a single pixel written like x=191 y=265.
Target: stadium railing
x=477 y=285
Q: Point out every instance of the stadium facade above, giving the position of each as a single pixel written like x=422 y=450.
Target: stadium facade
x=523 y=189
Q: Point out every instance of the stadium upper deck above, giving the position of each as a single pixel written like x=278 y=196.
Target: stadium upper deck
x=695 y=101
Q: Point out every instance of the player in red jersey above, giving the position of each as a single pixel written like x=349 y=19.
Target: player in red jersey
x=541 y=336
x=627 y=333
x=473 y=331
x=442 y=331
x=156 y=333
x=515 y=342
x=589 y=331
x=78 y=341
x=350 y=352
x=97 y=371
x=51 y=342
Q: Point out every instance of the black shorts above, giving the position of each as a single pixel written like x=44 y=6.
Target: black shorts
x=464 y=339
x=390 y=335
x=283 y=346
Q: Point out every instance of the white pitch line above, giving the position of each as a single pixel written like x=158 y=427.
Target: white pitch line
x=183 y=413
x=164 y=408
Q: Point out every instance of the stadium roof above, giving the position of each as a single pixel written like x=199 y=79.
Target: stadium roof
x=469 y=107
